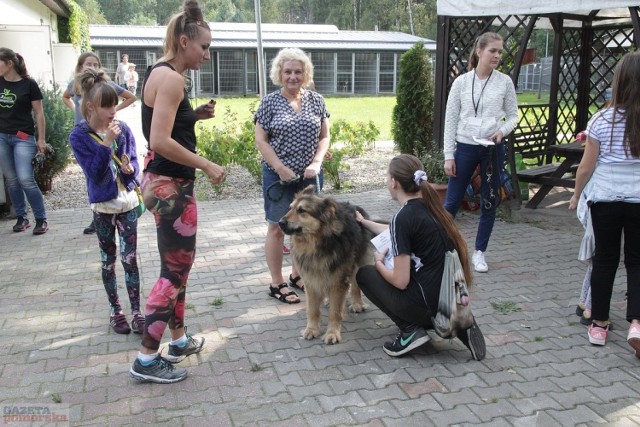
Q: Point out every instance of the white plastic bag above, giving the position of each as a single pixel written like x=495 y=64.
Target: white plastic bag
x=454 y=312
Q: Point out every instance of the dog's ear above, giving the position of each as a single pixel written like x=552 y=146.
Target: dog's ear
x=328 y=217
x=309 y=190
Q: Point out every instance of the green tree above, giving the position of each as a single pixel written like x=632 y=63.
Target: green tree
x=412 y=121
x=75 y=29
x=93 y=10
x=119 y=12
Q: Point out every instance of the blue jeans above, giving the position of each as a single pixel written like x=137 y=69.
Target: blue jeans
x=277 y=197
x=15 y=160
x=467 y=157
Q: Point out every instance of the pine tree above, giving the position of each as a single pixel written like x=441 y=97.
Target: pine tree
x=412 y=121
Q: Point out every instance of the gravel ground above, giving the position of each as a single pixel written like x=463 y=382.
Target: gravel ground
x=366 y=173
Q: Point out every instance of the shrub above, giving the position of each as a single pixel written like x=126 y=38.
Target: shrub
x=412 y=120
x=433 y=161
x=59 y=122
x=235 y=143
x=354 y=140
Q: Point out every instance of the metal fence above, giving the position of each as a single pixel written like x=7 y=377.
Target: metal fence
x=235 y=72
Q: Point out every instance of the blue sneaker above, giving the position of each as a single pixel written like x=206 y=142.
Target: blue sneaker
x=160 y=371
x=177 y=354
x=406 y=341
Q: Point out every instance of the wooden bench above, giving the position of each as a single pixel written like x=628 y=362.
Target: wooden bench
x=535 y=174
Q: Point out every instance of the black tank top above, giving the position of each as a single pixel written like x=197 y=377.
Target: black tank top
x=183 y=132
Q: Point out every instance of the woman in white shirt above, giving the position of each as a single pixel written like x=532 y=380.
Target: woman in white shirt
x=481 y=106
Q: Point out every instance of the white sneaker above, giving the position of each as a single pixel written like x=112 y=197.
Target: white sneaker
x=479 y=264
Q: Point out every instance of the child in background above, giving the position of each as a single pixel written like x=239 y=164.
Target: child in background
x=585 y=254
x=71 y=97
x=111 y=190
x=131 y=77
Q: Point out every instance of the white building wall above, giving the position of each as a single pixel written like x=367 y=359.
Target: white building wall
x=27 y=12
x=30 y=28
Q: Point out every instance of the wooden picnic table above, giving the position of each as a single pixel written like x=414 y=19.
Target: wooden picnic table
x=554 y=174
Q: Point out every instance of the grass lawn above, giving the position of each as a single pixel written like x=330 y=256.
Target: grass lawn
x=376 y=108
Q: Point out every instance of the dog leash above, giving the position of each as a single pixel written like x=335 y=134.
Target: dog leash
x=279 y=185
x=491 y=201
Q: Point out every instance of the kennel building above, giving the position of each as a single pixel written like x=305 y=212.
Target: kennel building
x=345 y=62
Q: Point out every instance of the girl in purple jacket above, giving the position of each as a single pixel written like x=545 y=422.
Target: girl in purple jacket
x=111 y=190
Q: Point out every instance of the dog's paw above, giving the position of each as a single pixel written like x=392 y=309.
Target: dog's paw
x=311 y=333
x=332 y=337
x=357 y=307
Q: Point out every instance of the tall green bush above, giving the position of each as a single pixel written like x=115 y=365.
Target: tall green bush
x=59 y=122
x=412 y=121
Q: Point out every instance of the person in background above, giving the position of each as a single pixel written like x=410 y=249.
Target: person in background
x=292 y=134
x=482 y=104
x=121 y=71
x=168 y=124
x=21 y=99
x=609 y=175
x=421 y=231
x=111 y=190
x=132 y=78
x=72 y=98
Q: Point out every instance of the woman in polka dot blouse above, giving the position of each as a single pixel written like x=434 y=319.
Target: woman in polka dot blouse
x=292 y=134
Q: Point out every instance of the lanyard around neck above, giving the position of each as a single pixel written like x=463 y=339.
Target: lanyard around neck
x=473 y=86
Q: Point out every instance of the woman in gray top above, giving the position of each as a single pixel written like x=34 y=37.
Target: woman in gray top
x=481 y=111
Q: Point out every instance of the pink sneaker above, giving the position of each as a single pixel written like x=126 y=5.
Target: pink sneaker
x=286 y=250
x=598 y=334
x=633 y=338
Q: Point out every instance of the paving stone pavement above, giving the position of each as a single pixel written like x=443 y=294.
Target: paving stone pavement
x=257 y=370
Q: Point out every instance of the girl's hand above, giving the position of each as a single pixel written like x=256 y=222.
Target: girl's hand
x=359 y=217
x=112 y=133
x=573 y=203
x=206 y=111
x=379 y=256
x=42 y=145
x=497 y=137
x=450 y=167
x=126 y=167
x=215 y=172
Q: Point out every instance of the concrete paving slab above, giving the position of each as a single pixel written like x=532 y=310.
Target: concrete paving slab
x=256 y=368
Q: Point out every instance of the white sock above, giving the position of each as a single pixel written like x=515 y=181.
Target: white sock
x=146 y=359
x=180 y=342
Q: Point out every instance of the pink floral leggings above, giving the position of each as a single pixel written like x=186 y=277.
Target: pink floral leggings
x=174 y=208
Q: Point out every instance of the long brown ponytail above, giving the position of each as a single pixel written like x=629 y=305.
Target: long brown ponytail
x=402 y=168
x=7 y=55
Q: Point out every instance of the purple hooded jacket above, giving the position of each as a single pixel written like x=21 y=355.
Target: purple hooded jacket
x=95 y=161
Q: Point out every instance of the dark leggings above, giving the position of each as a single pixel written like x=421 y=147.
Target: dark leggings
x=406 y=308
x=127 y=225
x=173 y=206
x=610 y=221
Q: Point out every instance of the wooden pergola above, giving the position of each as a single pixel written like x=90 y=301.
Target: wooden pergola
x=589 y=38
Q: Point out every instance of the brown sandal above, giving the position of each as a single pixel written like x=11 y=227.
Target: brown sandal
x=293 y=283
x=275 y=292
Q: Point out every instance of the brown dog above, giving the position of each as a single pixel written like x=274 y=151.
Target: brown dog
x=328 y=246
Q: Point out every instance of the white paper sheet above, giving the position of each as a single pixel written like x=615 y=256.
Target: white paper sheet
x=484 y=142
x=382 y=242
